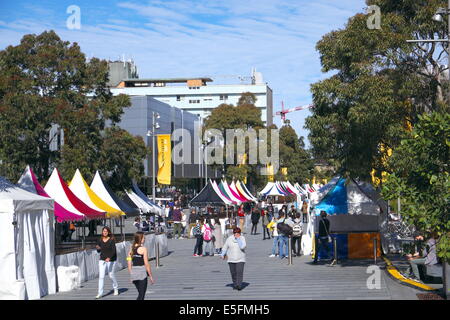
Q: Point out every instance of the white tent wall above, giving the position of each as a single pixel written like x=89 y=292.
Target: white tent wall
x=36 y=251
x=10 y=287
x=87 y=260
x=27 y=250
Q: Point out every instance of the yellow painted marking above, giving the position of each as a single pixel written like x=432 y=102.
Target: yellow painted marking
x=396 y=274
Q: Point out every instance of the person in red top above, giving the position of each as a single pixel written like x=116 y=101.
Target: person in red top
x=241 y=215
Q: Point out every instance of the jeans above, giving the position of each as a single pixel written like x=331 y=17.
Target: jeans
x=297 y=240
x=275 y=245
x=414 y=266
x=141 y=286
x=104 y=267
x=254 y=227
x=283 y=241
x=320 y=245
x=237 y=273
x=208 y=247
x=177 y=227
x=265 y=230
x=198 y=249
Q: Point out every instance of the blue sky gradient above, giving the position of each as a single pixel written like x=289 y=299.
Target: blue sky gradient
x=183 y=38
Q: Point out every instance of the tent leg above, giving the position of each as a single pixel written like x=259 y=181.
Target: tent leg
x=83 y=240
x=121 y=228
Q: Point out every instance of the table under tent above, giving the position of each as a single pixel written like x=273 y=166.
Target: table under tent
x=355 y=211
x=27 y=251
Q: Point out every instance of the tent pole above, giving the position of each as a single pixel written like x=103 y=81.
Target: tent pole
x=83 y=240
x=121 y=228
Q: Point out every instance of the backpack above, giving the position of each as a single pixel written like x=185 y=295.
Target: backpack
x=297 y=230
x=197 y=232
x=207 y=236
x=284 y=228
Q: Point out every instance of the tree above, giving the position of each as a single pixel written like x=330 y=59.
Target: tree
x=121 y=157
x=294 y=157
x=381 y=85
x=420 y=177
x=46 y=82
x=243 y=116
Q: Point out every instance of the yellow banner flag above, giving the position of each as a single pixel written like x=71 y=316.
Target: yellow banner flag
x=284 y=171
x=164 y=159
x=270 y=172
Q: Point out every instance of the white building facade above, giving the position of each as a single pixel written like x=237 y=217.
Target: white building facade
x=195 y=96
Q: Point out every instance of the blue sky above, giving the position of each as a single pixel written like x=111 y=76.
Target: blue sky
x=182 y=38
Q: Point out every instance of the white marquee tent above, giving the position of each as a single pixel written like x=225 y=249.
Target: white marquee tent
x=27 y=251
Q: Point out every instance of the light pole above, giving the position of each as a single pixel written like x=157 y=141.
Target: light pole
x=206 y=163
x=152 y=133
x=439 y=17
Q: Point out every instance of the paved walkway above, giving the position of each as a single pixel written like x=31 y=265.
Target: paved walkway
x=183 y=276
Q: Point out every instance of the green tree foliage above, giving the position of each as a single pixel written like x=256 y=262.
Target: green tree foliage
x=420 y=177
x=46 y=81
x=121 y=157
x=244 y=115
x=294 y=157
x=380 y=81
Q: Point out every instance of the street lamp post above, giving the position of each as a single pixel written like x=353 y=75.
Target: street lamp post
x=439 y=17
x=152 y=133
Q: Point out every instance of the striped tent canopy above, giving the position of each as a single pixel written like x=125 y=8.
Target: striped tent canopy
x=105 y=192
x=57 y=189
x=29 y=182
x=82 y=190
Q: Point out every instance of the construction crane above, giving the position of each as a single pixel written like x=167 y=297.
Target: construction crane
x=283 y=111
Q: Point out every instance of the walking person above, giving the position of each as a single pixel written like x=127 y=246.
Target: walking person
x=177 y=226
x=218 y=236
x=137 y=223
x=284 y=232
x=305 y=211
x=207 y=231
x=138 y=265
x=241 y=215
x=184 y=220
x=198 y=234
x=193 y=219
x=255 y=219
x=223 y=218
x=106 y=246
x=265 y=221
x=322 y=241
x=234 y=250
x=272 y=226
x=297 y=233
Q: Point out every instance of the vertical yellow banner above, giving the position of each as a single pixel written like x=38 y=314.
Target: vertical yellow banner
x=164 y=159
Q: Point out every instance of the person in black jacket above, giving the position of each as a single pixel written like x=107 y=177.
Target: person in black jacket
x=106 y=246
x=255 y=219
x=322 y=241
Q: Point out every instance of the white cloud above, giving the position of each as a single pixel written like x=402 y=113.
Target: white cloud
x=192 y=38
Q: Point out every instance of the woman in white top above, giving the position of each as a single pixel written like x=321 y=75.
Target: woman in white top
x=183 y=223
x=234 y=249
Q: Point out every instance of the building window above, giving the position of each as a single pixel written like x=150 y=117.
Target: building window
x=223 y=97
x=194 y=101
x=178 y=98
